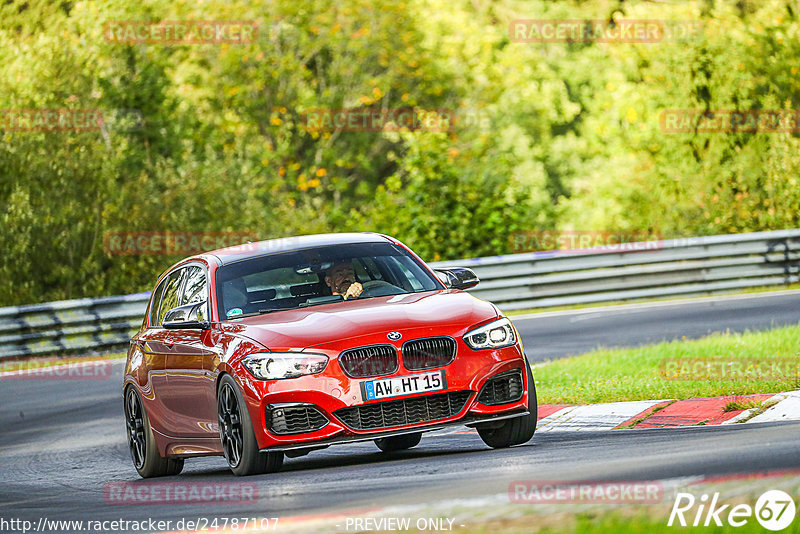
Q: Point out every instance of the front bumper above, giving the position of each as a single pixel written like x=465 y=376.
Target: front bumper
x=333 y=390
x=469 y=420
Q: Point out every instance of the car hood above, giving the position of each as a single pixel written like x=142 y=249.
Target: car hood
x=445 y=312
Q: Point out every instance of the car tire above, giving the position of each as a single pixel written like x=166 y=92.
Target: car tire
x=514 y=431
x=399 y=443
x=141 y=442
x=239 y=445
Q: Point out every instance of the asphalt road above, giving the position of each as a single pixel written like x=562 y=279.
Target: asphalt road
x=63 y=441
x=555 y=335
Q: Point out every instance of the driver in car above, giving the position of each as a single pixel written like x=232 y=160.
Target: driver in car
x=341 y=278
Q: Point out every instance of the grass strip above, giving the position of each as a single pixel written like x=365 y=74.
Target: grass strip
x=717 y=365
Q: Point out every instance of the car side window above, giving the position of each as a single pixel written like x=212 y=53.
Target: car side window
x=157 y=294
x=170 y=298
x=366 y=269
x=195 y=290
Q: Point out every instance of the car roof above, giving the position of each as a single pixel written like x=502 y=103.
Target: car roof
x=233 y=254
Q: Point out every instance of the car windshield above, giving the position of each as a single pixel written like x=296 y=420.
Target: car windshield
x=320 y=275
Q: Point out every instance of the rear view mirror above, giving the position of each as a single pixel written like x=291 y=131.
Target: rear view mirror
x=458 y=277
x=187 y=316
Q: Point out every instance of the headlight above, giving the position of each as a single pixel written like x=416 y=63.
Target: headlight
x=278 y=365
x=495 y=335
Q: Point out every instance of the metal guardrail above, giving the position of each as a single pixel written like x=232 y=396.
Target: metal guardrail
x=71 y=326
x=675 y=267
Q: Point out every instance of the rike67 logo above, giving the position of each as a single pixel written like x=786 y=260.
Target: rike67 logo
x=774 y=510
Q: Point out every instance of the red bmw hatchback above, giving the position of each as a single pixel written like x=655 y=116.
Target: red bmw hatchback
x=282 y=347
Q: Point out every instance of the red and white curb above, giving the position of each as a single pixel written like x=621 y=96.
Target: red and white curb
x=661 y=413
x=594 y=416
x=787 y=408
x=707 y=411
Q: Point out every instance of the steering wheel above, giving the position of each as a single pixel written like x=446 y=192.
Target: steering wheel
x=379 y=288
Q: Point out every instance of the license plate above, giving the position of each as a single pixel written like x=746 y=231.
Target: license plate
x=403 y=385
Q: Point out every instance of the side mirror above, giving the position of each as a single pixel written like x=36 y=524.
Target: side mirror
x=458 y=277
x=187 y=316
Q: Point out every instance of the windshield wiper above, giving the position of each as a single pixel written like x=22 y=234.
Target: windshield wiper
x=314 y=301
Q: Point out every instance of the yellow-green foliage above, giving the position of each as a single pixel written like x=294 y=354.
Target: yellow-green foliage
x=559 y=136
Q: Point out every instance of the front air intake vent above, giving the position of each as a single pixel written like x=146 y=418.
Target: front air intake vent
x=502 y=389
x=285 y=419
x=403 y=412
